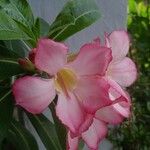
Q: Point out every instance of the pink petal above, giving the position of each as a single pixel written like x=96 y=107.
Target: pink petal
x=123 y=72
x=84 y=126
x=50 y=56
x=33 y=93
x=92 y=93
x=109 y=115
x=96 y=132
x=123 y=109
x=118 y=41
x=92 y=59
x=120 y=98
x=72 y=143
x=70 y=112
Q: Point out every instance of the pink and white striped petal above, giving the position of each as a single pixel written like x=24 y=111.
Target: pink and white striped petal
x=124 y=72
x=70 y=112
x=96 y=132
x=33 y=93
x=50 y=56
x=92 y=59
x=118 y=41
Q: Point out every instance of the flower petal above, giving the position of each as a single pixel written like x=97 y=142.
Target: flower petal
x=120 y=97
x=72 y=143
x=118 y=41
x=96 y=132
x=84 y=126
x=92 y=93
x=33 y=93
x=70 y=113
x=123 y=72
x=109 y=115
x=50 y=56
x=91 y=60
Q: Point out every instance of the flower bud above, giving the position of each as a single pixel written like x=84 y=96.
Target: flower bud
x=26 y=64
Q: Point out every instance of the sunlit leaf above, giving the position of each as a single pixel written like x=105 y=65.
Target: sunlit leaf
x=9 y=29
x=18 y=10
x=75 y=16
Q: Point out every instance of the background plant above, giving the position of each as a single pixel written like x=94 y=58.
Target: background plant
x=134 y=134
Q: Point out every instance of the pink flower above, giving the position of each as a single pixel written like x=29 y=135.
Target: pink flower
x=112 y=114
x=80 y=85
x=120 y=71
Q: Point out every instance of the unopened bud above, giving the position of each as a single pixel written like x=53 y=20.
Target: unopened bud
x=26 y=64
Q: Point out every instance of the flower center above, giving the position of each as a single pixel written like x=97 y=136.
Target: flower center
x=65 y=80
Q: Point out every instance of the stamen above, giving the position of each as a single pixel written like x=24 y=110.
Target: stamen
x=65 y=80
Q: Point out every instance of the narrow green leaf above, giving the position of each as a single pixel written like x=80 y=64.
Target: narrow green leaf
x=75 y=16
x=44 y=27
x=9 y=68
x=46 y=131
x=5 y=96
x=28 y=31
x=21 y=137
x=7 y=53
x=9 y=29
x=18 y=10
x=60 y=129
x=17 y=46
x=36 y=28
x=6 y=111
x=41 y=28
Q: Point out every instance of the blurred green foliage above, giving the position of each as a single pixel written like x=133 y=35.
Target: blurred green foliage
x=134 y=134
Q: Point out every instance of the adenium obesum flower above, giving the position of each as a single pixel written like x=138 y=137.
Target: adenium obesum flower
x=79 y=84
x=112 y=114
x=121 y=70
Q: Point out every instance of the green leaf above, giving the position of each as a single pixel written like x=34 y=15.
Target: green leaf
x=81 y=144
x=29 y=32
x=18 y=10
x=46 y=131
x=21 y=137
x=8 y=68
x=41 y=28
x=7 y=53
x=44 y=27
x=75 y=16
x=18 y=46
x=36 y=28
x=9 y=29
x=6 y=111
x=60 y=129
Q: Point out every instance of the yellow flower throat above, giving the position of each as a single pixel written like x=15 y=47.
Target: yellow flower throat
x=65 y=80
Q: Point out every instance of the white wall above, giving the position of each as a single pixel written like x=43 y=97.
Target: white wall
x=114 y=13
